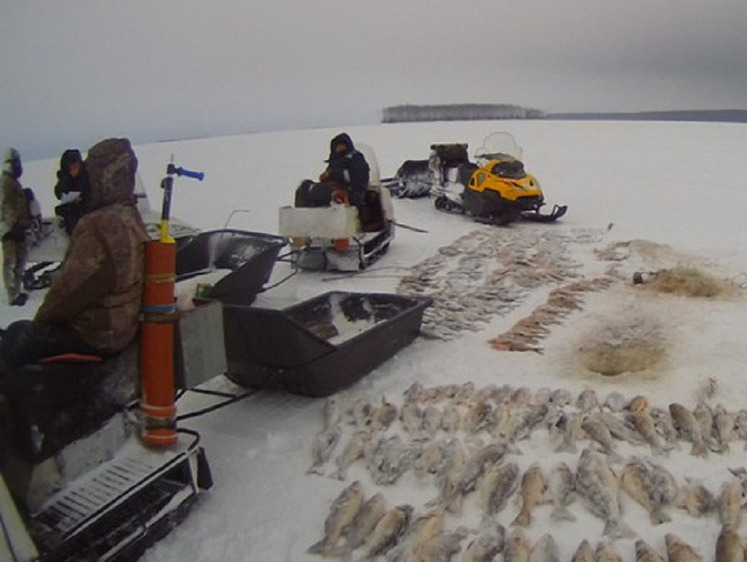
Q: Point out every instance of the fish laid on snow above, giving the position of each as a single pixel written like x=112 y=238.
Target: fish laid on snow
x=596 y=429
x=525 y=420
x=560 y=485
x=421 y=531
x=411 y=417
x=605 y=552
x=390 y=459
x=695 y=498
x=596 y=482
x=322 y=447
x=615 y=401
x=341 y=513
x=679 y=551
x=486 y=546
x=688 y=428
x=664 y=425
x=330 y=413
x=479 y=417
x=587 y=401
x=645 y=553
x=517 y=548
x=431 y=422
x=428 y=462
x=441 y=547
x=497 y=486
x=643 y=423
x=353 y=451
x=451 y=419
x=637 y=404
x=730 y=502
x=704 y=416
x=384 y=415
x=464 y=481
x=619 y=430
x=729 y=546
x=361 y=413
x=545 y=550
x=723 y=424
x=387 y=531
x=363 y=524
x=533 y=493
x=638 y=481
x=584 y=552
x=572 y=432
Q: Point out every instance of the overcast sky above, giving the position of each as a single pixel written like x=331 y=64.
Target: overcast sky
x=76 y=71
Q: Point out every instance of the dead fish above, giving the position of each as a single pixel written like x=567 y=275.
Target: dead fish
x=413 y=392
x=730 y=502
x=387 y=531
x=428 y=461
x=619 y=430
x=695 y=498
x=522 y=396
x=645 y=553
x=431 y=420
x=679 y=551
x=441 y=547
x=664 y=425
x=729 y=546
x=411 y=417
x=637 y=481
x=605 y=552
x=688 y=428
x=353 y=451
x=561 y=397
x=615 y=401
x=479 y=416
x=321 y=448
x=390 y=458
x=451 y=419
x=364 y=523
x=341 y=513
x=584 y=552
x=361 y=413
x=643 y=423
x=637 y=404
x=533 y=488
x=543 y=395
x=451 y=465
x=561 y=485
x=421 y=531
x=497 y=486
x=517 y=548
x=545 y=550
x=596 y=482
x=723 y=423
x=465 y=481
x=740 y=425
x=587 y=401
x=384 y=415
x=573 y=431
x=330 y=413
x=525 y=420
x=704 y=416
x=465 y=393
x=596 y=429
x=486 y=546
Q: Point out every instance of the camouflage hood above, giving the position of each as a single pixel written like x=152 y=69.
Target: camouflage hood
x=111 y=166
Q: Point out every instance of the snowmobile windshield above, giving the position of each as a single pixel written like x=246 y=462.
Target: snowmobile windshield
x=513 y=169
x=498 y=143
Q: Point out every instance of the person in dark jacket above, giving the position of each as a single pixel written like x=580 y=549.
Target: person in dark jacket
x=71 y=188
x=347 y=170
x=93 y=303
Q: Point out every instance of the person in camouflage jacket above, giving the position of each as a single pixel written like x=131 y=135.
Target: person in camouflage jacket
x=95 y=297
x=14 y=220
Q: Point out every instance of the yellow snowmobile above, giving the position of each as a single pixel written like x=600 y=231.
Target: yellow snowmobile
x=496 y=190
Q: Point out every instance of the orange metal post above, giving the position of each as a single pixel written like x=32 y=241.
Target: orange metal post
x=157 y=344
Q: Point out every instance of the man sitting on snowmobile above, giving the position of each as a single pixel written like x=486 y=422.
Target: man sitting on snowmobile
x=93 y=304
x=347 y=172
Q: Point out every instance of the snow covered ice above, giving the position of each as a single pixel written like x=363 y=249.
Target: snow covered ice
x=641 y=196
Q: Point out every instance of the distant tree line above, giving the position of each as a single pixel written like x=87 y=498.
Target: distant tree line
x=458 y=112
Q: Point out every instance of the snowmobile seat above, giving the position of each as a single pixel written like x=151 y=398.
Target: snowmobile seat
x=371 y=214
x=64 y=398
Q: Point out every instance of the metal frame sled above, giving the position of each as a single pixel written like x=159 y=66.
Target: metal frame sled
x=340 y=237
